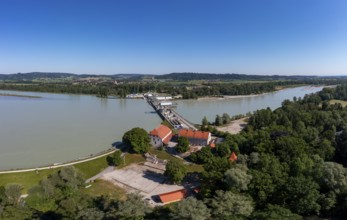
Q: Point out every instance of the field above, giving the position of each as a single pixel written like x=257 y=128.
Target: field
x=89 y=168
x=191 y=168
x=29 y=179
x=101 y=187
x=334 y=101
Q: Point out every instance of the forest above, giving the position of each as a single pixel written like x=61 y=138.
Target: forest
x=291 y=165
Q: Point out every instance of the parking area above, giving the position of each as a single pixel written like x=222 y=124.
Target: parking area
x=146 y=180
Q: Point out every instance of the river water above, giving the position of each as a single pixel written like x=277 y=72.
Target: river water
x=58 y=128
x=194 y=111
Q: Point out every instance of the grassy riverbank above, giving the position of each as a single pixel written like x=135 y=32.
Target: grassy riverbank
x=89 y=168
x=29 y=179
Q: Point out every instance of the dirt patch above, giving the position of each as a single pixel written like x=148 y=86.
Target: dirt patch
x=234 y=127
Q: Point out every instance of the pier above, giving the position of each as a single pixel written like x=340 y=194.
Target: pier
x=165 y=110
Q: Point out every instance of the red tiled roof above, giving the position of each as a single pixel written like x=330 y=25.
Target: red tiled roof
x=194 y=134
x=174 y=196
x=212 y=144
x=167 y=139
x=163 y=133
x=233 y=157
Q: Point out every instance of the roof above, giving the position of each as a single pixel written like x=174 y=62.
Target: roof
x=194 y=134
x=233 y=157
x=212 y=144
x=174 y=196
x=163 y=132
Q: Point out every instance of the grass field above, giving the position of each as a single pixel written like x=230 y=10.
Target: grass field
x=29 y=179
x=132 y=158
x=89 y=168
x=161 y=154
x=102 y=187
x=26 y=179
x=334 y=101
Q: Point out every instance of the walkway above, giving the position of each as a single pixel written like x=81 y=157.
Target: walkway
x=59 y=165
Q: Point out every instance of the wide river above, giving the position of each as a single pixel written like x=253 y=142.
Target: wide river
x=58 y=128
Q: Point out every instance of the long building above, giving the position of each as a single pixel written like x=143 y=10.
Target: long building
x=201 y=138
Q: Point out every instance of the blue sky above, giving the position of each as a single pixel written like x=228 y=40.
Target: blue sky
x=163 y=36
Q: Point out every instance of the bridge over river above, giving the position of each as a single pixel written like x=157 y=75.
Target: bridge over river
x=166 y=111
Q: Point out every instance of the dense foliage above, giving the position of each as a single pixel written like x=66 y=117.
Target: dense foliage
x=137 y=140
x=175 y=171
x=182 y=144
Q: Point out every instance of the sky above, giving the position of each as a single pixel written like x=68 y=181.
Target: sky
x=286 y=37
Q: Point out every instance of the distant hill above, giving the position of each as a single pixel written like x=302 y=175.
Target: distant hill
x=228 y=76
x=184 y=76
x=53 y=75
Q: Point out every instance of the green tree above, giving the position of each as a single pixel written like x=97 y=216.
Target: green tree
x=301 y=195
x=13 y=193
x=334 y=177
x=275 y=212
x=38 y=200
x=237 y=178
x=137 y=139
x=175 y=171
x=16 y=212
x=226 y=118
x=70 y=178
x=3 y=196
x=223 y=150
x=218 y=121
x=134 y=207
x=204 y=122
x=90 y=214
x=117 y=158
x=182 y=144
x=72 y=205
x=190 y=208
x=225 y=205
x=202 y=156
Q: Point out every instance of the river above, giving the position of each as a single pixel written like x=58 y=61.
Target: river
x=194 y=111
x=58 y=127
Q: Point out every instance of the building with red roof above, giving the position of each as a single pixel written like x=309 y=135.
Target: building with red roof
x=201 y=138
x=174 y=196
x=160 y=135
x=233 y=157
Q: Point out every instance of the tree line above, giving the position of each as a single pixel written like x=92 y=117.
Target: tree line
x=188 y=90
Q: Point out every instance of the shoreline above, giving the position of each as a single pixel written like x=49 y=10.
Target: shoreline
x=68 y=163
x=229 y=96
x=20 y=96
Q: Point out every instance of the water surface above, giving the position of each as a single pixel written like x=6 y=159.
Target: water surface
x=194 y=111
x=58 y=128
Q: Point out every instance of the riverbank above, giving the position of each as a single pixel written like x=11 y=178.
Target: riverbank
x=53 y=166
x=28 y=179
x=228 y=97
x=20 y=96
x=279 y=88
